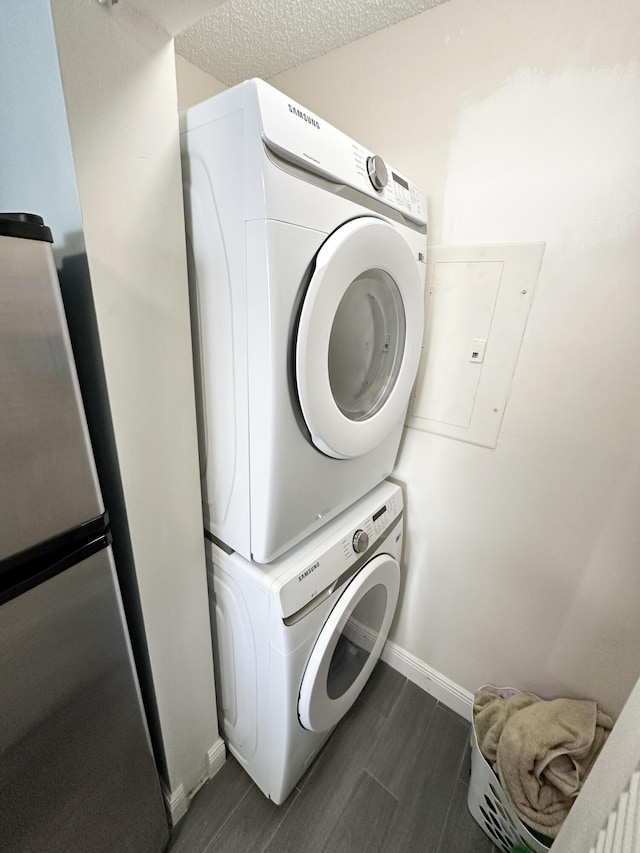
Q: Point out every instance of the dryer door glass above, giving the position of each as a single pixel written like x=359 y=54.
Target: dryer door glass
x=359 y=337
x=349 y=644
x=366 y=344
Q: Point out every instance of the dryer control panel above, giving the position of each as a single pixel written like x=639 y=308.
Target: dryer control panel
x=316 y=572
x=303 y=138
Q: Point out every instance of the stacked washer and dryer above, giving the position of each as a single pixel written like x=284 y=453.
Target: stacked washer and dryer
x=306 y=261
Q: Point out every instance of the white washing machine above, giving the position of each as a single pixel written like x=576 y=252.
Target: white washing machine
x=297 y=640
x=307 y=260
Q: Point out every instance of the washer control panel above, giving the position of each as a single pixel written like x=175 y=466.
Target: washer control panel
x=359 y=531
x=372 y=528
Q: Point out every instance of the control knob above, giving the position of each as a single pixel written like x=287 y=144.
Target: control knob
x=377 y=172
x=360 y=541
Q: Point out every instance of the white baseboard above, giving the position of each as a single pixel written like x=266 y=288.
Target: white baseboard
x=416 y=670
x=217 y=756
x=429 y=679
x=176 y=802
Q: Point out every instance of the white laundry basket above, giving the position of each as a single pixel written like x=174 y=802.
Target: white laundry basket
x=491 y=808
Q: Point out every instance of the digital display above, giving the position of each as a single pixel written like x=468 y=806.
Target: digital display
x=380 y=512
x=400 y=180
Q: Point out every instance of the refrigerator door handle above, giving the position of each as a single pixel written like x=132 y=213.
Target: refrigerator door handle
x=30 y=567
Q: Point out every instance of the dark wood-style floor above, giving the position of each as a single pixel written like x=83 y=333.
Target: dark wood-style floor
x=392 y=779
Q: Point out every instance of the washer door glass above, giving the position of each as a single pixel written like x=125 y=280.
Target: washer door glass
x=349 y=644
x=353 y=650
x=359 y=337
x=366 y=344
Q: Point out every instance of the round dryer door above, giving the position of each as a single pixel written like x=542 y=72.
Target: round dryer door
x=349 y=645
x=359 y=337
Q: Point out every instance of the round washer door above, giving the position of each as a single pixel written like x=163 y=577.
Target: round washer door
x=349 y=645
x=359 y=337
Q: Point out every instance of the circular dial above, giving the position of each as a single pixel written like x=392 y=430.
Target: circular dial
x=360 y=541
x=377 y=172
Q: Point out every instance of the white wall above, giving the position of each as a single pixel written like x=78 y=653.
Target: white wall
x=118 y=77
x=521 y=121
x=194 y=85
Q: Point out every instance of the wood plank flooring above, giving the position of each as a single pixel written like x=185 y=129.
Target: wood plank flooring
x=392 y=779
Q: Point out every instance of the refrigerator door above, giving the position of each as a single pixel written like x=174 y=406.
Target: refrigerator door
x=76 y=768
x=44 y=443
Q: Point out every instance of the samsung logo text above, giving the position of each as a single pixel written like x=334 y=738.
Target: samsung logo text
x=308 y=571
x=299 y=114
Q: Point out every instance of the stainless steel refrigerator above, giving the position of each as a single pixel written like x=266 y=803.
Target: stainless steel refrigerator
x=76 y=768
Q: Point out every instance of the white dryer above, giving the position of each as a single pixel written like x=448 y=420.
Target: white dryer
x=307 y=259
x=296 y=641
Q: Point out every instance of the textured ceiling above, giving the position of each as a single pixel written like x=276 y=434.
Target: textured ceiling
x=240 y=39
